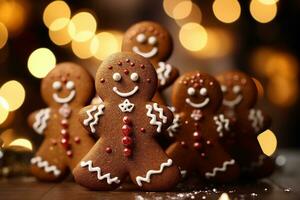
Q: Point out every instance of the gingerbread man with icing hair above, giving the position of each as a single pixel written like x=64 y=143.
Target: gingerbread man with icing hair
x=126 y=123
x=154 y=42
x=197 y=97
x=240 y=96
x=66 y=89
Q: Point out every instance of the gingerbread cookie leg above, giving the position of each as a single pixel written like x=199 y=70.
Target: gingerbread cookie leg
x=218 y=166
x=46 y=165
x=99 y=171
x=156 y=172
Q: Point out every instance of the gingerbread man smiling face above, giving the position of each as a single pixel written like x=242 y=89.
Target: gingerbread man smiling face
x=152 y=41
x=65 y=140
x=125 y=123
x=197 y=98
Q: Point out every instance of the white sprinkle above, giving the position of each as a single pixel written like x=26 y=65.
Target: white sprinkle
x=280 y=160
x=287 y=190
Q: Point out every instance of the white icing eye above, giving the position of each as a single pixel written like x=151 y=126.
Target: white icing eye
x=191 y=91
x=236 y=89
x=117 y=76
x=223 y=88
x=141 y=38
x=56 y=85
x=152 y=40
x=70 y=85
x=134 y=76
x=203 y=91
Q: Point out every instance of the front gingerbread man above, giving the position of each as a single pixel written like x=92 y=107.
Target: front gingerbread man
x=126 y=122
x=66 y=141
x=240 y=96
x=198 y=129
x=152 y=41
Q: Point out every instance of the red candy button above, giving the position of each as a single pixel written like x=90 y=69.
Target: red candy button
x=127 y=141
x=126 y=130
x=127 y=152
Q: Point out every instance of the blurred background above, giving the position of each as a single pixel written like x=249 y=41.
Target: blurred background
x=260 y=37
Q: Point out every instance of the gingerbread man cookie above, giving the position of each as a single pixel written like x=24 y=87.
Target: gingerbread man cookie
x=152 y=41
x=197 y=97
x=240 y=96
x=126 y=122
x=66 y=89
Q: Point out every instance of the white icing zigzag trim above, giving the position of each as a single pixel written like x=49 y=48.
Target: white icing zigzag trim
x=89 y=121
x=146 y=179
x=175 y=124
x=222 y=123
x=163 y=72
x=44 y=164
x=153 y=120
x=257 y=119
x=220 y=169
x=100 y=177
x=41 y=119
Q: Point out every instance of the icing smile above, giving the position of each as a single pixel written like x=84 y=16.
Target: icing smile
x=63 y=100
x=233 y=102
x=126 y=94
x=148 y=54
x=197 y=105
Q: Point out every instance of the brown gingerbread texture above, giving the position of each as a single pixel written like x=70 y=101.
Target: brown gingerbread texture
x=126 y=123
x=152 y=41
x=240 y=97
x=66 y=89
x=197 y=98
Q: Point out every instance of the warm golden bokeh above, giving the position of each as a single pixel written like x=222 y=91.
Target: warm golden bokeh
x=3 y=35
x=14 y=93
x=4 y=109
x=23 y=143
x=182 y=10
x=60 y=36
x=194 y=16
x=82 y=49
x=82 y=26
x=40 y=62
x=268 y=2
x=263 y=13
x=227 y=11
x=193 y=36
x=224 y=196
x=268 y=142
x=56 y=10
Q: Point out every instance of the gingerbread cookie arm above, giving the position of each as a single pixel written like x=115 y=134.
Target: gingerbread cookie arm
x=89 y=116
x=159 y=116
x=259 y=120
x=166 y=74
x=176 y=124
x=38 y=120
x=222 y=124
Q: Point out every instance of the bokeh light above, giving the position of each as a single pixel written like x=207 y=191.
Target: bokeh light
x=219 y=43
x=182 y=9
x=227 y=11
x=21 y=143
x=193 y=36
x=56 y=10
x=40 y=62
x=60 y=36
x=268 y=2
x=104 y=44
x=263 y=13
x=224 y=196
x=169 y=6
x=14 y=93
x=82 y=49
x=268 y=142
x=194 y=16
x=3 y=35
x=4 y=109
x=82 y=26
x=13 y=15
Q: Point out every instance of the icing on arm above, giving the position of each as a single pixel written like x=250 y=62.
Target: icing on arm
x=222 y=124
x=152 y=111
x=175 y=124
x=91 y=116
x=40 y=120
x=165 y=72
x=257 y=119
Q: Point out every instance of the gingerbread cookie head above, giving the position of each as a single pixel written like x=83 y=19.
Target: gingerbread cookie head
x=126 y=75
x=195 y=90
x=148 y=39
x=239 y=90
x=67 y=83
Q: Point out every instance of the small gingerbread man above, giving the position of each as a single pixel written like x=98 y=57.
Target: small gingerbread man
x=66 y=89
x=197 y=132
x=240 y=96
x=126 y=122
x=152 y=41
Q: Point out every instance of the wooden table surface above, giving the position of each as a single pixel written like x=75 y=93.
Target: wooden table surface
x=284 y=184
